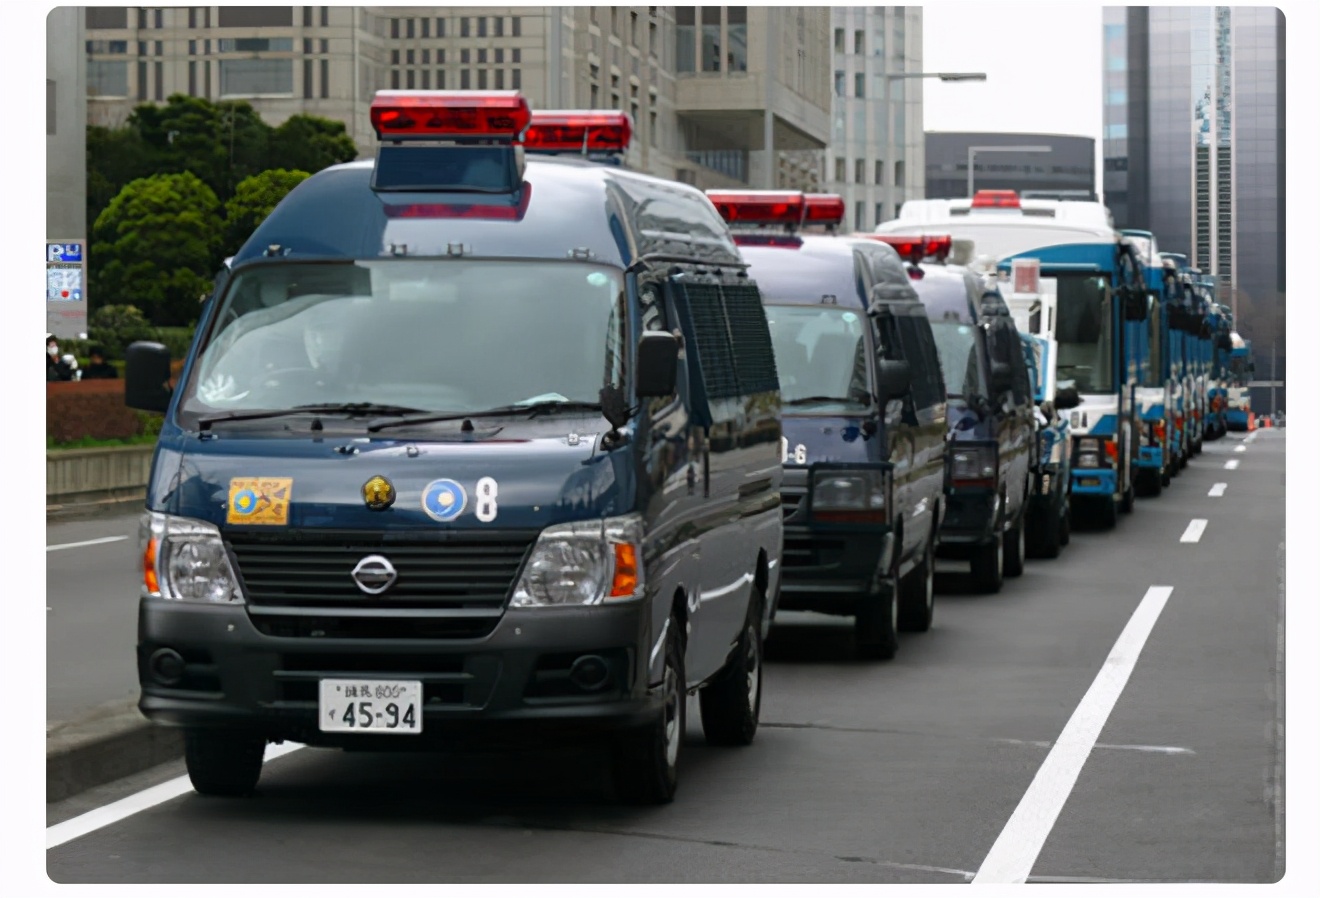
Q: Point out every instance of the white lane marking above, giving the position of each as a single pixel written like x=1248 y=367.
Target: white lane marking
x=1015 y=851
x=1157 y=749
x=1239 y=448
x=1231 y=464
x=1194 y=530
x=1251 y=436
x=86 y=542
x=126 y=807
x=1218 y=490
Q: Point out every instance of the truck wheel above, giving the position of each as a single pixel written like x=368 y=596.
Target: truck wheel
x=916 y=596
x=1107 y=514
x=875 y=627
x=223 y=763
x=1050 y=532
x=1065 y=522
x=1015 y=548
x=731 y=704
x=1149 y=483
x=1129 y=500
x=646 y=762
x=988 y=564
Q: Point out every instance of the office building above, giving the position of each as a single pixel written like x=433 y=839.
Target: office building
x=1053 y=165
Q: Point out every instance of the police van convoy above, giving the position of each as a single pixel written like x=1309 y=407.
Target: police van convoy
x=863 y=416
x=992 y=428
x=475 y=441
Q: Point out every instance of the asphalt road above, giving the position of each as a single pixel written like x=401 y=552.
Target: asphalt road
x=903 y=772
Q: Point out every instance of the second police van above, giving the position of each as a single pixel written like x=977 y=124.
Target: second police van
x=473 y=444
x=863 y=416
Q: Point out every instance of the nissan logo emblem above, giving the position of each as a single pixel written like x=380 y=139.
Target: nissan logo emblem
x=374 y=574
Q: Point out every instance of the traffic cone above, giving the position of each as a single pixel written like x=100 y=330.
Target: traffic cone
x=1251 y=421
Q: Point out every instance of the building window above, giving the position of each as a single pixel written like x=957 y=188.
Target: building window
x=158 y=19
x=465 y=27
x=255 y=77
x=192 y=17
x=859 y=216
x=394 y=28
x=517 y=55
x=256 y=44
x=439 y=27
x=465 y=56
x=426 y=57
x=879 y=173
x=710 y=38
x=481 y=79
x=465 y=79
x=142 y=80
x=879 y=213
x=499 y=79
x=737 y=29
x=394 y=79
x=632 y=28
x=307 y=78
x=499 y=26
x=325 y=78
x=686 y=19
x=859 y=171
x=516 y=75
x=595 y=96
x=412 y=28
x=859 y=85
x=439 y=79
x=516 y=23
x=481 y=26
x=411 y=80
x=838 y=40
x=426 y=79
x=412 y=57
x=481 y=55
x=394 y=57
x=898 y=174
x=840 y=169
x=859 y=42
x=838 y=84
x=440 y=56
x=499 y=55
x=325 y=16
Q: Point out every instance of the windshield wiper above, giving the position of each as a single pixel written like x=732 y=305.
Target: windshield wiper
x=806 y=400
x=529 y=409
x=344 y=408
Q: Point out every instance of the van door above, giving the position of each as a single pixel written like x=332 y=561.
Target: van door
x=929 y=431
x=1014 y=410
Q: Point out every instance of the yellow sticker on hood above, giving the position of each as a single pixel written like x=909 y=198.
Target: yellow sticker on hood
x=260 y=500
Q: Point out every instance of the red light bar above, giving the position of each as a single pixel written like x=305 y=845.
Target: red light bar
x=759 y=206
x=449 y=113
x=939 y=247
x=579 y=131
x=825 y=208
x=487 y=211
x=996 y=199
x=909 y=248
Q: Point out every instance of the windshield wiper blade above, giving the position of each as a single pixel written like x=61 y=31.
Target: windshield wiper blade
x=349 y=408
x=805 y=400
x=529 y=409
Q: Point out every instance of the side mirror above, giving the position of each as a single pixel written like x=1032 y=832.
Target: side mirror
x=894 y=379
x=657 y=364
x=1001 y=378
x=147 y=377
x=1066 y=398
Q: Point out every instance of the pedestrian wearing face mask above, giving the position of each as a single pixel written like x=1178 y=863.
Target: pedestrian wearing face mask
x=56 y=368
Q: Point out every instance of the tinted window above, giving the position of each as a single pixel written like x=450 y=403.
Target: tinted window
x=733 y=340
x=919 y=350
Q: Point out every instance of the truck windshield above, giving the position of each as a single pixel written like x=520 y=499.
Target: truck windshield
x=960 y=359
x=1085 y=333
x=821 y=356
x=1155 y=364
x=459 y=335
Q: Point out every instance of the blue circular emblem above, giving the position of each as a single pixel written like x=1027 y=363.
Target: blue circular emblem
x=444 y=500
x=245 y=502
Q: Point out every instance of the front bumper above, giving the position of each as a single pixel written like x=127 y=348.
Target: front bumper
x=1151 y=457
x=503 y=684
x=829 y=568
x=1094 y=481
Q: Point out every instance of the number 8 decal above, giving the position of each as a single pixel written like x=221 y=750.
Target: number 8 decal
x=487 y=508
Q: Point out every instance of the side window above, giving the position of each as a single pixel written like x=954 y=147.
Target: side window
x=919 y=350
x=1022 y=392
x=753 y=352
x=711 y=335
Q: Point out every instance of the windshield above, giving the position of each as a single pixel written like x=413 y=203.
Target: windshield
x=820 y=353
x=960 y=358
x=441 y=335
x=1085 y=333
x=1155 y=366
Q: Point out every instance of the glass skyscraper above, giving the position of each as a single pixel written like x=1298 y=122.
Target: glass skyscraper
x=1194 y=151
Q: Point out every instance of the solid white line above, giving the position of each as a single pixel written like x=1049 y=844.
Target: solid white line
x=1231 y=464
x=1015 y=851
x=1218 y=489
x=86 y=542
x=1194 y=530
x=126 y=807
x=1239 y=448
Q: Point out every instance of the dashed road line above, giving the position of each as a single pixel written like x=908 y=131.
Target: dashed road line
x=1231 y=464
x=1019 y=844
x=1194 y=530
x=86 y=542
x=1239 y=448
x=1218 y=490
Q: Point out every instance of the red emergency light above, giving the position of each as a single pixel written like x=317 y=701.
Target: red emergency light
x=825 y=208
x=939 y=247
x=455 y=114
x=910 y=248
x=578 y=132
x=996 y=199
x=780 y=207
x=485 y=211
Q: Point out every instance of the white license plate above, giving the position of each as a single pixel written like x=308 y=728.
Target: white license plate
x=370 y=706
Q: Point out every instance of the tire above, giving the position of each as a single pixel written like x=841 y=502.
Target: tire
x=646 y=762
x=1129 y=499
x=1107 y=515
x=1049 y=534
x=988 y=564
x=875 y=627
x=731 y=703
x=1015 y=547
x=916 y=594
x=1065 y=523
x=222 y=763
x=1198 y=446
x=1165 y=477
x=1149 y=483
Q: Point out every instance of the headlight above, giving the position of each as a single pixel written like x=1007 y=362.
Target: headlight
x=185 y=560
x=973 y=466
x=583 y=563
x=1088 y=460
x=849 y=496
x=1088 y=445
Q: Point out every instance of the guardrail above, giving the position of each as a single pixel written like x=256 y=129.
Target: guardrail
x=109 y=473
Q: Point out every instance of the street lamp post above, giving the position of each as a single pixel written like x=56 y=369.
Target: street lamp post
x=971 y=158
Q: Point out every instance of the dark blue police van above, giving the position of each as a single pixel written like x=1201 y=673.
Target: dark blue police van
x=991 y=412
x=477 y=442
x=863 y=415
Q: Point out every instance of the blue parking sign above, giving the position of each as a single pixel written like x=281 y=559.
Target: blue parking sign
x=64 y=252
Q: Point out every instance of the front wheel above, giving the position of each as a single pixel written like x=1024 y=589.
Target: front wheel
x=1015 y=547
x=731 y=704
x=646 y=763
x=875 y=627
x=222 y=763
x=916 y=598
x=988 y=564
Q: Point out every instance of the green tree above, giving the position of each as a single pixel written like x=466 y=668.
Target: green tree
x=156 y=246
x=115 y=327
x=219 y=143
x=115 y=157
x=253 y=200
x=310 y=143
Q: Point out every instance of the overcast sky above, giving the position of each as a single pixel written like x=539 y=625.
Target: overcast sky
x=1042 y=65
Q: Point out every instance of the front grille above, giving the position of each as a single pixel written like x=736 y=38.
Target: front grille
x=791 y=499
x=445 y=570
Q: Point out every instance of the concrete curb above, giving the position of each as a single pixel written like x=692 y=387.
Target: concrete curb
x=112 y=742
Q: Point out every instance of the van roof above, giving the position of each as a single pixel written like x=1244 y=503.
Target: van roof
x=822 y=265
x=571 y=204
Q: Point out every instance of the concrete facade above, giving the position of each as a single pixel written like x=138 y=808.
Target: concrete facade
x=876 y=156
x=704 y=96
x=1068 y=167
